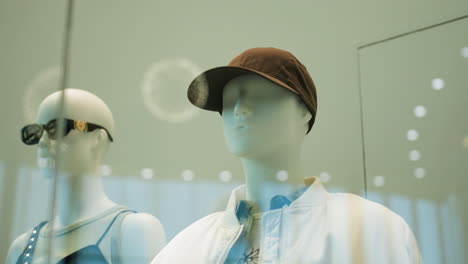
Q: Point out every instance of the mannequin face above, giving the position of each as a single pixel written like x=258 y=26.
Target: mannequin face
x=261 y=117
x=76 y=148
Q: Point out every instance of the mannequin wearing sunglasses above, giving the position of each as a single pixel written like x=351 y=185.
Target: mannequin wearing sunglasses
x=87 y=223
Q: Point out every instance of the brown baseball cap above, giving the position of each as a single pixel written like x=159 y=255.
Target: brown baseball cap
x=276 y=65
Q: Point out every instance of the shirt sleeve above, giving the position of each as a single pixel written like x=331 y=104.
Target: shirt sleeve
x=412 y=248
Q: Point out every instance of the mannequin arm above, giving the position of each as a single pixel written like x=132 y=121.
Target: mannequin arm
x=142 y=238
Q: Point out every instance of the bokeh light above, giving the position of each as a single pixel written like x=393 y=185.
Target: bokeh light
x=282 y=175
x=414 y=155
x=147 y=173
x=164 y=89
x=106 y=170
x=188 y=175
x=464 y=52
x=43 y=84
x=419 y=173
x=324 y=176
x=438 y=84
x=420 y=111
x=225 y=176
x=412 y=135
x=379 y=181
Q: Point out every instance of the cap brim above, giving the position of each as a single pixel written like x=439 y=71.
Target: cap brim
x=206 y=90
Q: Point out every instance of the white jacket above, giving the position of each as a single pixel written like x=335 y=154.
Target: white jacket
x=318 y=227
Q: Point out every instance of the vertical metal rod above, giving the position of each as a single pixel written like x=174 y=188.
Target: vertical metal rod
x=65 y=65
x=361 y=101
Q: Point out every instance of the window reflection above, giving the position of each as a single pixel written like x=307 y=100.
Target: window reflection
x=437 y=225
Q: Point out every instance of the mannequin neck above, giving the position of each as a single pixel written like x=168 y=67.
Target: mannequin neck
x=79 y=196
x=260 y=170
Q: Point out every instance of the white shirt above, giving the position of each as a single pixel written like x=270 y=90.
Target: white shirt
x=318 y=227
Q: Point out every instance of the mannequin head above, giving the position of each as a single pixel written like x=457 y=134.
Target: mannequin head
x=80 y=152
x=261 y=117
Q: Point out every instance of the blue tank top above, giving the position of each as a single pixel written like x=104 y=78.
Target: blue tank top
x=87 y=255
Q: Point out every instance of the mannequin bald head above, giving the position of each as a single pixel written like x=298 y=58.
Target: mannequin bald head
x=78 y=105
x=80 y=152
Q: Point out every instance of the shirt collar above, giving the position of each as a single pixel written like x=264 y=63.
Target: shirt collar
x=314 y=195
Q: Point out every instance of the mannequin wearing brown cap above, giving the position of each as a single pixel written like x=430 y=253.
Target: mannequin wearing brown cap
x=268 y=104
x=264 y=125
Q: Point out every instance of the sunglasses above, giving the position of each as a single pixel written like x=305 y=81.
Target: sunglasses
x=31 y=134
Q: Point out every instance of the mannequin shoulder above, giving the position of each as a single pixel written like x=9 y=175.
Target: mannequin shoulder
x=357 y=207
x=140 y=223
x=142 y=233
x=360 y=203
x=17 y=247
